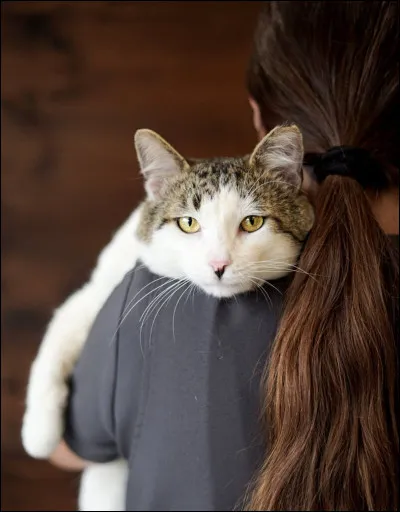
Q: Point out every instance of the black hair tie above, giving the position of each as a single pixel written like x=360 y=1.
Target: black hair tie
x=350 y=162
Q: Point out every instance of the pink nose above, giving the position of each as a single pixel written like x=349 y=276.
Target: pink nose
x=219 y=266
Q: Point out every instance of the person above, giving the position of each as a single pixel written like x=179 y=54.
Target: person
x=330 y=387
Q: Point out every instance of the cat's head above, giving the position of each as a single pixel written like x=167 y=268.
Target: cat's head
x=225 y=224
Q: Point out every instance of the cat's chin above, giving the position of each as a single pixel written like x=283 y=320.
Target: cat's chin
x=226 y=290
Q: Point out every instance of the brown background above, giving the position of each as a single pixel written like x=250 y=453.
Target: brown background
x=78 y=79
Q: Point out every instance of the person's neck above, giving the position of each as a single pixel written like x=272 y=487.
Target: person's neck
x=385 y=207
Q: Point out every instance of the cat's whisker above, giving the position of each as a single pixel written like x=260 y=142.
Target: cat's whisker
x=265 y=282
x=165 y=297
x=128 y=309
x=243 y=279
x=168 y=284
x=194 y=289
x=174 y=312
x=141 y=289
x=190 y=292
x=263 y=271
x=271 y=262
x=162 y=297
x=165 y=301
x=155 y=299
x=264 y=292
x=275 y=264
x=278 y=267
x=286 y=269
x=265 y=267
x=269 y=271
x=259 y=286
x=274 y=287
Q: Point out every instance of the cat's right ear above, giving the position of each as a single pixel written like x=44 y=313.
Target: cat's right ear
x=158 y=161
x=280 y=154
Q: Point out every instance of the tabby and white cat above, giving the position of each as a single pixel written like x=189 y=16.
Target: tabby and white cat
x=226 y=224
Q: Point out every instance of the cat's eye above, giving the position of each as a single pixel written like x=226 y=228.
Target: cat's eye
x=188 y=224
x=252 y=223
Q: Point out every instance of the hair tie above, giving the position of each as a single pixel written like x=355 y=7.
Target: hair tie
x=349 y=162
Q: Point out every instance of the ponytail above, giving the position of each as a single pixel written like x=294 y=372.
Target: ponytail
x=330 y=386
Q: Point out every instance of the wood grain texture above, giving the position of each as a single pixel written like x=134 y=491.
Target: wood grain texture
x=78 y=78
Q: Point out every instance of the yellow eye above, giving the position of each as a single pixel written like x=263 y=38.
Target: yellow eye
x=252 y=223
x=188 y=224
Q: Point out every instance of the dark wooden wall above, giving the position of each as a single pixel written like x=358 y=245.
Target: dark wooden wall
x=78 y=78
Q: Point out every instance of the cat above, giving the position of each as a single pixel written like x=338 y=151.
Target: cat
x=243 y=221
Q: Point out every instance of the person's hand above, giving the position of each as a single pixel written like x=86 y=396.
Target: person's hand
x=64 y=458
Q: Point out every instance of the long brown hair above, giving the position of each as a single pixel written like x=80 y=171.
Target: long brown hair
x=331 y=384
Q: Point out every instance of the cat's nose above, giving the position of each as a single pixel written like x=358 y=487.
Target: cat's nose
x=219 y=267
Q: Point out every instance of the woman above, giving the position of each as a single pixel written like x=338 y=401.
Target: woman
x=330 y=387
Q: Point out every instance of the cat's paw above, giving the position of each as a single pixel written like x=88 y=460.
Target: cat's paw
x=43 y=421
x=42 y=430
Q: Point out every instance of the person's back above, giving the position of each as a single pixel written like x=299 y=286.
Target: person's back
x=331 y=384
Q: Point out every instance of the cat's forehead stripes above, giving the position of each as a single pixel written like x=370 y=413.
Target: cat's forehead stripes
x=209 y=176
x=206 y=178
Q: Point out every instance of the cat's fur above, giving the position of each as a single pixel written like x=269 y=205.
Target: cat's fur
x=219 y=193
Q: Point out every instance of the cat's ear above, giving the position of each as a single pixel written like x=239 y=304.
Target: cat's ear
x=158 y=161
x=280 y=153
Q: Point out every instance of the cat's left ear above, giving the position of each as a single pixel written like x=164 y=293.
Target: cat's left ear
x=280 y=153
x=158 y=161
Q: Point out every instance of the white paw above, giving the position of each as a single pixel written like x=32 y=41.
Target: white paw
x=103 y=487
x=42 y=430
